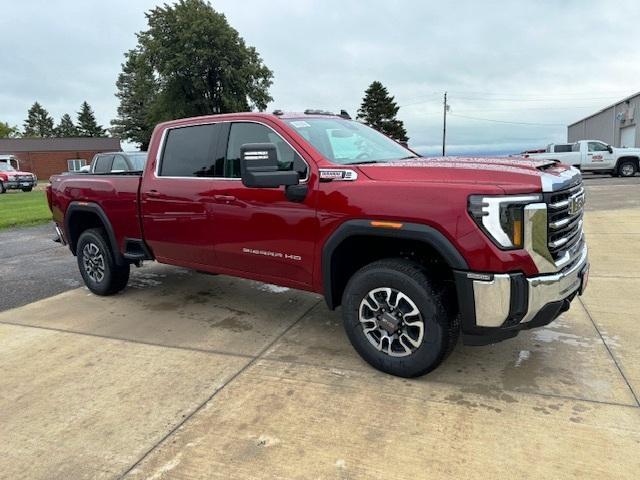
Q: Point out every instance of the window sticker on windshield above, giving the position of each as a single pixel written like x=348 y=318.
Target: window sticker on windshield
x=300 y=124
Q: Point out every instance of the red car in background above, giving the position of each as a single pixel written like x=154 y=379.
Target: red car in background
x=12 y=179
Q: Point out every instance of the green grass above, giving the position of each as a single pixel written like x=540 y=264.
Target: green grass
x=23 y=208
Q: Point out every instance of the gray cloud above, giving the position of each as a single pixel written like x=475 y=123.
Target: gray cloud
x=545 y=62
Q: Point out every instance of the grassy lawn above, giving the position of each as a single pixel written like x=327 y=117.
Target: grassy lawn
x=23 y=208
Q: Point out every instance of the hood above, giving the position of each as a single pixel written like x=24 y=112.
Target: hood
x=17 y=172
x=513 y=174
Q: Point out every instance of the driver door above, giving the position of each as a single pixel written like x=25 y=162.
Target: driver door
x=258 y=230
x=598 y=156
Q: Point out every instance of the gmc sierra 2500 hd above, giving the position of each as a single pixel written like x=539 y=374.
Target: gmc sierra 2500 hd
x=416 y=251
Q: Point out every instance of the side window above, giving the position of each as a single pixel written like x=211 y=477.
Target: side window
x=190 y=152
x=244 y=132
x=597 y=147
x=103 y=164
x=119 y=164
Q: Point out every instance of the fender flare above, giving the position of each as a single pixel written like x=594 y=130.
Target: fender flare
x=633 y=158
x=99 y=212
x=409 y=231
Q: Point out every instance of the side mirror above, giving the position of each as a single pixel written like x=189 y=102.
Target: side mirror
x=259 y=167
x=610 y=148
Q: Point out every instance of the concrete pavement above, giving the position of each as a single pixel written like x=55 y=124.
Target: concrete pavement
x=189 y=376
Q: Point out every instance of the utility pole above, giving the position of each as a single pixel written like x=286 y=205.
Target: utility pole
x=444 y=126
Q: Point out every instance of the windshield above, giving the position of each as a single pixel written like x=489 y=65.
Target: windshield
x=347 y=142
x=5 y=167
x=138 y=160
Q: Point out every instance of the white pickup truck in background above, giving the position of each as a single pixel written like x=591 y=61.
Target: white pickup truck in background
x=593 y=156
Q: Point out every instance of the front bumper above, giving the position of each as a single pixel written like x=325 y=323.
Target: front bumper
x=495 y=307
x=18 y=184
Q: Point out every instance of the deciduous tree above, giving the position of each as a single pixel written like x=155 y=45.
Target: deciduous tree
x=189 y=62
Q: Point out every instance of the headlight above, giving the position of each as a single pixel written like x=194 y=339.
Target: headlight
x=501 y=218
x=12 y=178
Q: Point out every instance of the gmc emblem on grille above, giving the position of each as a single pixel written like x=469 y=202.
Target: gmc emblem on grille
x=576 y=204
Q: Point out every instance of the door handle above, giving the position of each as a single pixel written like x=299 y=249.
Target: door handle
x=225 y=198
x=153 y=193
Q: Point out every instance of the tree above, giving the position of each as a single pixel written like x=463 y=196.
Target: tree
x=7 y=131
x=189 y=62
x=137 y=90
x=87 y=124
x=379 y=110
x=38 y=123
x=66 y=128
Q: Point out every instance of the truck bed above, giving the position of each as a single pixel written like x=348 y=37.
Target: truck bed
x=115 y=194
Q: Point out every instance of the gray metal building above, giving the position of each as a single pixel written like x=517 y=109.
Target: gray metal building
x=616 y=124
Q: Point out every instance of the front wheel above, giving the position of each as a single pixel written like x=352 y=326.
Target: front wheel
x=99 y=271
x=2 y=188
x=397 y=320
x=27 y=189
x=627 y=168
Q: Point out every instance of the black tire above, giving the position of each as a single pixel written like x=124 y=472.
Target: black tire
x=27 y=189
x=440 y=324
x=2 y=189
x=94 y=246
x=627 y=168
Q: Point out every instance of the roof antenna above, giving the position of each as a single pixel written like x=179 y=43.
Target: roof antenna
x=344 y=114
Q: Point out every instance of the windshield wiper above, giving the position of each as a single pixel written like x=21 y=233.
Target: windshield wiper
x=363 y=162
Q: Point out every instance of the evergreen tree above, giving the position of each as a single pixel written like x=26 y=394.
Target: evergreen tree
x=66 y=128
x=379 y=110
x=87 y=124
x=189 y=62
x=38 y=123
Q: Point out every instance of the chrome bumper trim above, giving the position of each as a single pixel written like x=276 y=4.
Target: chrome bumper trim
x=493 y=298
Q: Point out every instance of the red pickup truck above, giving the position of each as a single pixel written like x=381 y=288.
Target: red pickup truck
x=416 y=251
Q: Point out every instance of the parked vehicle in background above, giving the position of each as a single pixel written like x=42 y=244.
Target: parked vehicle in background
x=118 y=162
x=593 y=156
x=415 y=251
x=12 y=179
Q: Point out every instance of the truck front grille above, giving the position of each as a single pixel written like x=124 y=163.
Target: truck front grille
x=25 y=178
x=565 y=210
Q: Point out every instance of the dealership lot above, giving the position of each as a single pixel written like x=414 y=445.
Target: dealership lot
x=192 y=376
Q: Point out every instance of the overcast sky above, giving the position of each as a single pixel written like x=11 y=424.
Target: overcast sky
x=542 y=62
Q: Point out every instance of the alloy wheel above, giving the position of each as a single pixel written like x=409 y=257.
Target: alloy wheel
x=93 y=262
x=627 y=170
x=391 y=322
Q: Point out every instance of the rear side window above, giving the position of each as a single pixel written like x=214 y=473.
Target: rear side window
x=119 y=164
x=103 y=164
x=190 y=151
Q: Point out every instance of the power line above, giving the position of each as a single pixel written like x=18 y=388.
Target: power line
x=512 y=123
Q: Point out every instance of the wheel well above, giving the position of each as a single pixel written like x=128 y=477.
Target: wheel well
x=79 y=222
x=356 y=251
x=624 y=159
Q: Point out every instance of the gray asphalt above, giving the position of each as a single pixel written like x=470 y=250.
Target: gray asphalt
x=33 y=267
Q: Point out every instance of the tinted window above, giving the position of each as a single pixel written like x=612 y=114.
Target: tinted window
x=119 y=164
x=103 y=164
x=190 y=151
x=242 y=133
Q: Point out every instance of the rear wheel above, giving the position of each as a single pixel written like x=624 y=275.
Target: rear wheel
x=627 y=168
x=99 y=271
x=396 y=318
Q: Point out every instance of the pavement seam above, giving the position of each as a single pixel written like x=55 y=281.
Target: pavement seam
x=126 y=340
x=218 y=390
x=615 y=361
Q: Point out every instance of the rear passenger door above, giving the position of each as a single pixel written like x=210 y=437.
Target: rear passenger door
x=178 y=198
x=258 y=231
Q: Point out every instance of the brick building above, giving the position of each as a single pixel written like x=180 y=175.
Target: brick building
x=50 y=156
